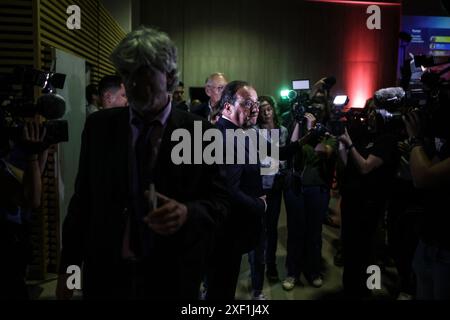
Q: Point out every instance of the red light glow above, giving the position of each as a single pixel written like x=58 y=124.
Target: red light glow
x=359 y=81
x=367 y=63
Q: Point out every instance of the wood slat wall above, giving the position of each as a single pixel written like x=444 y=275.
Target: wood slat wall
x=94 y=42
x=16 y=34
x=17 y=48
x=26 y=25
x=29 y=32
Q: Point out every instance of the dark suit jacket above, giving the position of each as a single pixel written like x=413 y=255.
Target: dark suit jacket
x=182 y=106
x=244 y=183
x=94 y=227
x=202 y=110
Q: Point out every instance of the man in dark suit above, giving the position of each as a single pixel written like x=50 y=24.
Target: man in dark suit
x=214 y=86
x=178 y=97
x=241 y=231
x=130 y=244
x=111 y=91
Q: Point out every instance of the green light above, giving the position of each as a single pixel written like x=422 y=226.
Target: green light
x=284 y=94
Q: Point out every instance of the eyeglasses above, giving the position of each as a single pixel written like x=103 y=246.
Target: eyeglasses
x=249 y=104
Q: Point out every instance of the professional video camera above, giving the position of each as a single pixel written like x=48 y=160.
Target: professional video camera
x=432 y=103
x=17 y=105
x=335 y=120
x=436 y=81
x=303 y=104
x=317 y=106
x=390 y=103
x=339 y=118
x=331 y=113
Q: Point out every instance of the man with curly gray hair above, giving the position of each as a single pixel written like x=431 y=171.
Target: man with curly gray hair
x=148 y=53
x=140 y=224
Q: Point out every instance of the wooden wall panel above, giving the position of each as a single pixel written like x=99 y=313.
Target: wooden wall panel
x=16 y=34
x=94 y=42
x=29 y=30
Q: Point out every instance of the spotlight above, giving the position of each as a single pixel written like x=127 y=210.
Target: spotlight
x=341 y=101
x=288 y=94
x=284 y=94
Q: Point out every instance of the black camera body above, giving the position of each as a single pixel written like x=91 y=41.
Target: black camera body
x=430 y=96
x=16 y=107
x=318 y=132
x=430 y=99
x=302 y=105
x=391 y=106
x=337 y=127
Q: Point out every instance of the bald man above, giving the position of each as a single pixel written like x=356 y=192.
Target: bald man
x=214 y=86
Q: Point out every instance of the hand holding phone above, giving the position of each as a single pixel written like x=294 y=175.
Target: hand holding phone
x=166 y=219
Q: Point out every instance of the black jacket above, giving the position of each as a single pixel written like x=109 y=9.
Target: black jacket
x=94 y=227
x=202 y=110
x=244 y=183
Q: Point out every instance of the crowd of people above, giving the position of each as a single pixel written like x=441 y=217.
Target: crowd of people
x=142 y=227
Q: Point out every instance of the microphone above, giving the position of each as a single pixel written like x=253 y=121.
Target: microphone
x=389 y=97
x=51 y=106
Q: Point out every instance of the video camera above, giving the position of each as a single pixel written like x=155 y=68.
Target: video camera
x=429 y=97
x=303 y=105
x=390 y=104
x=330 y=113
x=317 y=106
x=15 y=105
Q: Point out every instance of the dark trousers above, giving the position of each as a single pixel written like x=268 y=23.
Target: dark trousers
x=148 y=279
x=272 y=216
x=404 y=212
x=360 y=218
x=257 y=267
x=432 y=267
x=223 y=271
x=257 y=258
x=306 y=210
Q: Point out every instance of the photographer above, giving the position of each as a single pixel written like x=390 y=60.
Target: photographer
x=21 y=167
x=431 y=174
x=273 y=185
x=403 y=215
x=370 y=161
x=307 y=199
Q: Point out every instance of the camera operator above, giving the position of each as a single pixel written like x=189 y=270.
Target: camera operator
x=370 y=162
x=307 y=198
x=21 y=167
x=403 y=215
x=431 y=174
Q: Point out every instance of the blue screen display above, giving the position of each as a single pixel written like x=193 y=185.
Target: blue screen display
x=430 y=35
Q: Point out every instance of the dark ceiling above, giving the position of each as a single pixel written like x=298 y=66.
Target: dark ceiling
x=424 y=8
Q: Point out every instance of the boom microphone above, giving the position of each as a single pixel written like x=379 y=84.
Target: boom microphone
x=389 y=97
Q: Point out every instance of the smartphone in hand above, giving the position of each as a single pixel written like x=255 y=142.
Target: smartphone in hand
x=152 y=199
